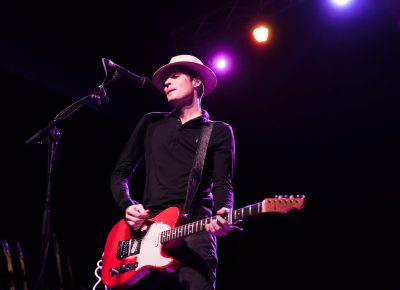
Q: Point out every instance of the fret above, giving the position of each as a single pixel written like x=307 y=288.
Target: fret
x=208 y=220
x=247 y=211
x=229 y=218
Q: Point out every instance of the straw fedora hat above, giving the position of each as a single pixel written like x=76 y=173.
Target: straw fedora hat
x=206 y=74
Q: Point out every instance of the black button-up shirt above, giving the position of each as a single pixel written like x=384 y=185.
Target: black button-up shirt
x=168 y=148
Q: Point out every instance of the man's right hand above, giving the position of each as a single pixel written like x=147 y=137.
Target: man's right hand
x=135 y=215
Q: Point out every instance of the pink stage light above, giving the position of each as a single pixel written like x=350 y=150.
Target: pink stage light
x=221 y=63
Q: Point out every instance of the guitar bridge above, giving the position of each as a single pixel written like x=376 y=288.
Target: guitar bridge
x=122 y=269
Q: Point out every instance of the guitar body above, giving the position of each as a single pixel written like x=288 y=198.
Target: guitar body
x=130 y=255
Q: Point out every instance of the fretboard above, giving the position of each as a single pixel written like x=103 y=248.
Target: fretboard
x=198 y=226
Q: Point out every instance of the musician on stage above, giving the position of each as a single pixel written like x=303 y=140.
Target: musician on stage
x=166 y=142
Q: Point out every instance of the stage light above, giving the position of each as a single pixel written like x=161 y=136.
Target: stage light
x=221 y=63
x=260 y=34
x=341 y=3
x=344 y=9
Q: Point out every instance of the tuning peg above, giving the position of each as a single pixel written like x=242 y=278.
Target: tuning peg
x=291 y=196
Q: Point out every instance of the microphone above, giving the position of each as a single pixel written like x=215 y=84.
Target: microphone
x=121 y=71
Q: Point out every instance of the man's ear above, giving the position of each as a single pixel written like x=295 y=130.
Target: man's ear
x=196 y=82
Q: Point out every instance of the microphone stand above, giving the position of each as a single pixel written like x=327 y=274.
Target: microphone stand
x=52 y=136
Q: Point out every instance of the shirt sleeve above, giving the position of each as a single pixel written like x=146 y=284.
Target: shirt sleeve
x=128 y=160
x=223 y=167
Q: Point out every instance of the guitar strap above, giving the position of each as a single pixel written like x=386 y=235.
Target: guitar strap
x=197 y=167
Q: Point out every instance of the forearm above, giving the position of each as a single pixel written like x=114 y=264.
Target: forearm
x=120 y=192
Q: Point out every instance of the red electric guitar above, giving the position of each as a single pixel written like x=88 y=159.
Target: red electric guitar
x=130 y=255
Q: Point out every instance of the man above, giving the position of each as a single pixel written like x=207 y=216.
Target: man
x=167 y=143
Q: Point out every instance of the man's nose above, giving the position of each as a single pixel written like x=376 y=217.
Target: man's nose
x=166 y=84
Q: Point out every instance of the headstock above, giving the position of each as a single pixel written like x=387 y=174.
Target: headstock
x=283 y=203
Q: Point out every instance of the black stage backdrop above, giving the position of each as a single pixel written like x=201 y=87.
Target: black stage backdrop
x=315 y=113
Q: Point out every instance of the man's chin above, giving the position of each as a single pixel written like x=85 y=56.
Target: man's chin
x=173 y=102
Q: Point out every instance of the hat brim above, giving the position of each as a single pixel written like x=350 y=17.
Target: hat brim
x=206 y=74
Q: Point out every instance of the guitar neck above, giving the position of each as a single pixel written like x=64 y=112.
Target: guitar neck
x=279 y=204
x=200 y=225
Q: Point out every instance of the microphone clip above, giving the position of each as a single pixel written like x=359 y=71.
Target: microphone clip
x=99 y=94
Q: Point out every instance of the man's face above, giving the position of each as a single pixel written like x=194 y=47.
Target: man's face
x=178 y=87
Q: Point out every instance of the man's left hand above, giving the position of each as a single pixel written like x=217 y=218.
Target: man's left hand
x=220 y=226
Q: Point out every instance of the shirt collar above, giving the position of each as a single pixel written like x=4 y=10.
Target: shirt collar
x=204 y=118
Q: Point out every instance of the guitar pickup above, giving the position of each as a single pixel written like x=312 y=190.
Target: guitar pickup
x=122 y=269
x=127 y=248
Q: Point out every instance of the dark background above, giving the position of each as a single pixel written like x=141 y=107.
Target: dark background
x=314 y=112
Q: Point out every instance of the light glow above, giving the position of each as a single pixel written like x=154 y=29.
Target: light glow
x=261 y=34
x=341 y=2
x=221 y=63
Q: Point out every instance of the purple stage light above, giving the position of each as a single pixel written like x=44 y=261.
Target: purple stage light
x=345 y=9
x=221 y=63
x=341 y=3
